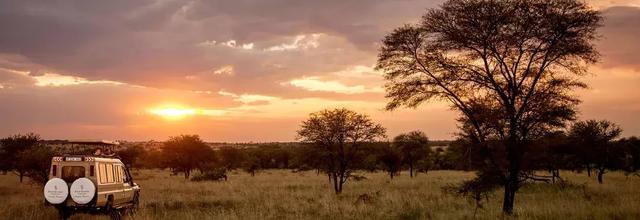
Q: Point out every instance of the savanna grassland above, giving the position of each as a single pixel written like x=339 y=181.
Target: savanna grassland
x=282 y=194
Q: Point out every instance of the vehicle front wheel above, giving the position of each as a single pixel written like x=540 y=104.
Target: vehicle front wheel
x=135 y=204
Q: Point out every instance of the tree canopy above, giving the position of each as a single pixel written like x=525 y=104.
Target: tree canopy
x=339 y=134
x=507 y=66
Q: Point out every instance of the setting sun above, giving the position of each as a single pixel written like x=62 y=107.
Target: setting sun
x=175 y=112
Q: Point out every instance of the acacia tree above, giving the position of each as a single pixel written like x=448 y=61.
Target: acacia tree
x=414 y=147
x=594 y=144
x=631 y=146
x=391 y=160
x=339 y=134
x=185 y=153
x=507 y=66
x=131 y=154
x=18 y=147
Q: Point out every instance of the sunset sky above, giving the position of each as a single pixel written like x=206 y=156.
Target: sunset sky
x=242 y=70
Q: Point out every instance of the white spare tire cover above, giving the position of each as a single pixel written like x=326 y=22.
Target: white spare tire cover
x=82 y=191
x=56 y=191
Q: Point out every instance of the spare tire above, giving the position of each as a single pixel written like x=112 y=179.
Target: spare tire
x=82 y=191
x=56 y=191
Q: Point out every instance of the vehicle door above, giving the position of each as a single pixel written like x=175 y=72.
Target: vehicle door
x=127 y=192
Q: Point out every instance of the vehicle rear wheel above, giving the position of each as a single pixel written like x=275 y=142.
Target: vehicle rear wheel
x=114 y=213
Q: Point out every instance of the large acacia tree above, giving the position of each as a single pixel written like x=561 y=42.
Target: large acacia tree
x=507 y=66
x=338 y=136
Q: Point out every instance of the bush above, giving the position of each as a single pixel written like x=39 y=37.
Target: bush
x=218 y=174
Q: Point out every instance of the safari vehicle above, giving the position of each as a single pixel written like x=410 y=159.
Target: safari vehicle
x=91 y=183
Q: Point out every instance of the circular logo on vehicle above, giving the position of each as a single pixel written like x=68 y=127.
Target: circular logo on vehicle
x=82 y=191
x=56 y=191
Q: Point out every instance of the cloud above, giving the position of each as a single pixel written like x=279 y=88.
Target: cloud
x=249 y=98
x=300 y=42
x=315 y=84
x=91 y=67
x=620 y=33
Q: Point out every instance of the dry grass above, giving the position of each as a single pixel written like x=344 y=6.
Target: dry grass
x=281 y=194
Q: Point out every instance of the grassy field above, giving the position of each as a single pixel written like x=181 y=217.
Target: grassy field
x=281 y=194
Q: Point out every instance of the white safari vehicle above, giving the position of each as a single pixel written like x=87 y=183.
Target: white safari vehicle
x=96 y=183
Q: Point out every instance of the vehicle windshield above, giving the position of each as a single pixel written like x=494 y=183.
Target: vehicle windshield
x=71 y=173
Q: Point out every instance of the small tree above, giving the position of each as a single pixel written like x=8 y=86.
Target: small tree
x=391 y=160
x=131 y=154
x=340 y=135
x=594 y=142
x=18 y=147
x=185 y=153
x=414 y=148
x=252 y=161
x=631 y=147
x=37 y=163
x=231 y=157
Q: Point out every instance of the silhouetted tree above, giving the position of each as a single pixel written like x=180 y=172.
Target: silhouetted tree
x=391 y=160
x=414 y=147
x=130 y=155
x=507 y=66
x=231 y=157
x=16 y=147
x=185 y=153
x=631 y=147
x=340 y=135
x=37 y=162
x=594 y=142
x=252 y=162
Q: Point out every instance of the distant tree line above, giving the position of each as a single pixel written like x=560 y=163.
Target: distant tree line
x=593 y=147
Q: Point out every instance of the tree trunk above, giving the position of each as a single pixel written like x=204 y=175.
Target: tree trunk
x=555 y=174
x=186 y=174
x=391 y=175
x=600 y=175
x=513 y=172
x=336 y=183
x=588 y=170
x=509 y=197
x=21 y=174
x=411 y=170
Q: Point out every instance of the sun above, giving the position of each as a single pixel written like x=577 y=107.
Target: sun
x=173 y=112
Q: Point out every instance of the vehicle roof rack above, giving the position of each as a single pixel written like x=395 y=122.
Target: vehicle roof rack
x=93 y=142
x=90 y=155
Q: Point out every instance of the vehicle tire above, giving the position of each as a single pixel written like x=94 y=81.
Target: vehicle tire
x=135 y=204
x=113 y=213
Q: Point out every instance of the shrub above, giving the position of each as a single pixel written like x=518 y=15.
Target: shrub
x=218 y=174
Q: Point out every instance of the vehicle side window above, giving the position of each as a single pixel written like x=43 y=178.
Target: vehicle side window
x=103 y=173
x=92 y=170
x=124 y=175
x=110 y=173
x=54 y=170
x=117 y=174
